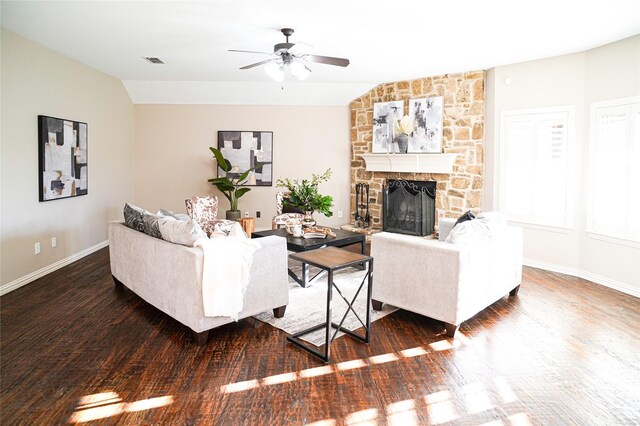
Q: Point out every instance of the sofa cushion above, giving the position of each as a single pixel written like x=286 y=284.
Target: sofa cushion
x=133 y=217
x=496 y=222
x=204 y=211
x=150 y=222
x=228 y=228
x=468 y=232
x=184 y=232
x=169 y=213
x=465 y=217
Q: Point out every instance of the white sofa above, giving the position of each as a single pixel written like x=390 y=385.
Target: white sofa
x=445 y=281
x=169 y=276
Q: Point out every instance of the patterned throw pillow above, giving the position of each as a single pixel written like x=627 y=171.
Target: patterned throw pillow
x=227 y=228
x=133 y=217
x=180 y=232
x=169 y=213
x=150 y=222
x=204 y=211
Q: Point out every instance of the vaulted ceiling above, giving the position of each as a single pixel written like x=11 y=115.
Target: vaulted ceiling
x=384 y=40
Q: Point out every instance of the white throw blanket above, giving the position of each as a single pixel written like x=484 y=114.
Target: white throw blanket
x=225 y=274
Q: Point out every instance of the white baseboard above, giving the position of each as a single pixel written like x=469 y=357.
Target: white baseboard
x=6 y=288
x=575 y=272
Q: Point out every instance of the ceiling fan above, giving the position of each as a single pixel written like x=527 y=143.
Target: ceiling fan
x=285 y=57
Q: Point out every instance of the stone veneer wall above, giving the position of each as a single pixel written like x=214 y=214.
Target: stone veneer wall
x=463 y=125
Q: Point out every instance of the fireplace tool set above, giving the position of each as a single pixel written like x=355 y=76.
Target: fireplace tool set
x=362 y=216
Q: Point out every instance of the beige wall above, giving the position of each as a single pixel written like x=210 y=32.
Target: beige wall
x=36 y=81
x=173 y=161
x=608 y=72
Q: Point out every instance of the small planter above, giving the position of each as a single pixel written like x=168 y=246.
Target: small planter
x=233 y=214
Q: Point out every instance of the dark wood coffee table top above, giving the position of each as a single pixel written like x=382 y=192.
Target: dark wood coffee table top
x=298 y=244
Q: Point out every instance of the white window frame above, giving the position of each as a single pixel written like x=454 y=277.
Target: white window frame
x=590 y=232
x=570 y=163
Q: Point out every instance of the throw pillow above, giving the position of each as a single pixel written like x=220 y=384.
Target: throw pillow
x=180 y=232
x=228 y=228
x=133 y=217
x=169 y=213
x=495 y=221
x=465 y=217
x=150 y=222
x=468 y=232
x=204 y=211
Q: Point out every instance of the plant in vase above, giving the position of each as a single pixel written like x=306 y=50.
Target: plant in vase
x=403 y=128
x=232 y=188
x=305 y=196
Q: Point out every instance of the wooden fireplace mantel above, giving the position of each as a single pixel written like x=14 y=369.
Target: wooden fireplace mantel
x=409 y=163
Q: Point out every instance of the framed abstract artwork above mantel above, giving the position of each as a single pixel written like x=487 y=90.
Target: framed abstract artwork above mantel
x=62 y=158
x=246 y=149
x=426 y=114
x=385 y=114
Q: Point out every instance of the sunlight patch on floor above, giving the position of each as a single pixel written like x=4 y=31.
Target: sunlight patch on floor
x=402 y=413
x=362 y=418
x=476 y=398
x=108 y=404
x=440 y=407
x=341 y=366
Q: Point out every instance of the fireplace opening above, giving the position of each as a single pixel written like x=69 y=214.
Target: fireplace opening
x=409 y=207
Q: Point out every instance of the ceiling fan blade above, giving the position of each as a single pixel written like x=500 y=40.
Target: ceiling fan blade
x=246 y=67
x=341 y=62
x=251 y=51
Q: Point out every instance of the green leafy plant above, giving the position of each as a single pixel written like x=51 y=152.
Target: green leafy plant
x=231 y=188
x=305 y=196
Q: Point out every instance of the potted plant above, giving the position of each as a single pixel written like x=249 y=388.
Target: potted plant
x=305 y=196
x=231 y=188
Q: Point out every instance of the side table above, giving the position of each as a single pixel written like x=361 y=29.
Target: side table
x=332 y=259
x=248 y=224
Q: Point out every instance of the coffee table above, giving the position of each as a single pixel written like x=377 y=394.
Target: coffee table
x=298 y=244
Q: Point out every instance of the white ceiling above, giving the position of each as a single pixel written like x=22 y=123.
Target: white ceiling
x=385 y=40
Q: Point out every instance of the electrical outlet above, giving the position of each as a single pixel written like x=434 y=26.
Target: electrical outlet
x=54 y=242
x=36 y=248
x=246 y=214
x=258 y=215
x=339 y=213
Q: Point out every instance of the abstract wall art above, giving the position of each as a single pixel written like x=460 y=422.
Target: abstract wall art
x=62 y=155
x=384 y=116
x=426 y=114
x=246 y=149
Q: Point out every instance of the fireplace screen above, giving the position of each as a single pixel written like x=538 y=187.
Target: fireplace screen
x=409 y=206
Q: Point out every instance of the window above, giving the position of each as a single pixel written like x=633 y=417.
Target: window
x=614 y=174
x=535 y=165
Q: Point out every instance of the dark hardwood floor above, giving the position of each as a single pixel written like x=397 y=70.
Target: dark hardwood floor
x=73 y=349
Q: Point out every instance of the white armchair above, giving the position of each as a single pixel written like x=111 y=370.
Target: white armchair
x=445 y=281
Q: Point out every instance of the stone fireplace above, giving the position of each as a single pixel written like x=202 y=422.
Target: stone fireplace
x=459 y=188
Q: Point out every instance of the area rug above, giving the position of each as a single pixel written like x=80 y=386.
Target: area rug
x=308 y=306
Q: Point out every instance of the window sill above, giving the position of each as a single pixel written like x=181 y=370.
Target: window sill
x=612 y=239
x=538 y=227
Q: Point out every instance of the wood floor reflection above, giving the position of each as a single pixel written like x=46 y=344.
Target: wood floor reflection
x=72 y=349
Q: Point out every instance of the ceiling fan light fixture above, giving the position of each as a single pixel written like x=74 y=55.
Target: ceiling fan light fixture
x=275 y=71
x=299 y=70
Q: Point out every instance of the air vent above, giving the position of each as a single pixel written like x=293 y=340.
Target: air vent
x=154 y=60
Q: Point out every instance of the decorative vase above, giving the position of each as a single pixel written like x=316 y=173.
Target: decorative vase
x=403 y=143
x=233 y=214
x=308 y=219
